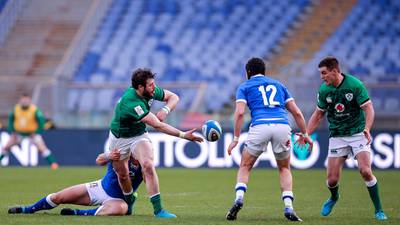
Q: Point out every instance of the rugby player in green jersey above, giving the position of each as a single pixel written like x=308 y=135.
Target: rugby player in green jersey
x=350 y=115
x=128 y=134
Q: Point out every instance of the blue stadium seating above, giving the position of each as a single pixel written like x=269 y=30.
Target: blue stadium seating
x=201 y=40
x=2 y=4
x=367 y=40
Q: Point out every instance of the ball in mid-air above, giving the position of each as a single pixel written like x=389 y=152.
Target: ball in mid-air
x=211 y=130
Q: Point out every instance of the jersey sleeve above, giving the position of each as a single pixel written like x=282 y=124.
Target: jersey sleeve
x=159 y=94
x=11 y=122
x=362 y=94
x=241 y=95
x=321 y=101
x=286 y=95
x=138 y=111
x=40 y=120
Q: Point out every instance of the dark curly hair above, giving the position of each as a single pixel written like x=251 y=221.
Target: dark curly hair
x=140 y=77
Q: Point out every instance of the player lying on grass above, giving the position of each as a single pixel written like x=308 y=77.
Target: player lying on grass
x=105 y=193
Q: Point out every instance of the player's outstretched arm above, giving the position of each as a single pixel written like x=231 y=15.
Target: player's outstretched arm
x=153 y=121
x=171 y=100
x=297 y=115
x=315 y=120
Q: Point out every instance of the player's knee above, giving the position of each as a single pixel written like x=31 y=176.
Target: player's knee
x=283 y=165
x=283 y=169
x=123 y=175
x=333 y=179
x=56 y=198
x=122 y=208
x=122 y=172
x=366 y=173
x=246 y=165
x=147 y=166
x=117 y=209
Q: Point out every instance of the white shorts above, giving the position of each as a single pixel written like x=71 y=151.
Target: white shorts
x=278 y=134
x=97 y=194
x=126 y=145
x=348 y=146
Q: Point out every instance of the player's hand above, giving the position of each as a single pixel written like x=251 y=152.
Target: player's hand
x=367 y=134
x=114 y=155
x=232 y=145
x=303 y=140
x=108 y=156
x=191 y=137
x=161 y=115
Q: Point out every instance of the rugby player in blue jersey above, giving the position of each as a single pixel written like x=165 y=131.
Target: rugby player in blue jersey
x=267 y=100
x=105 y=193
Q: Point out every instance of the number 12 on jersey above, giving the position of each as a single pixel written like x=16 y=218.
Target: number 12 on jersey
x=264 y=90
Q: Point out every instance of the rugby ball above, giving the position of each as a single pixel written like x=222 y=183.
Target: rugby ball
x=211 y=130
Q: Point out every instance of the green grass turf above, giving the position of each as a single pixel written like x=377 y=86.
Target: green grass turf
x=203 y=196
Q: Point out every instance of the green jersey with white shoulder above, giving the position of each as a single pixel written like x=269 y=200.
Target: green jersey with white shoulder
x=130 y=109
x=342 y=105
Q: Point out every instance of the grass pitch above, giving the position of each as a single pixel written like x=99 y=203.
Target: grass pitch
x=203 y=196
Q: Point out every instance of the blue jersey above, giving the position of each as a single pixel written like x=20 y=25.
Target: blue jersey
x=110 y=180
x=266 y=99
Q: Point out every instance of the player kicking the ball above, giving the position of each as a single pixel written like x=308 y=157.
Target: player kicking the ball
x=267 y=100
x=105 y=193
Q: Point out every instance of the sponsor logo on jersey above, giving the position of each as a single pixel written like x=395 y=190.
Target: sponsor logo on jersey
x=339 y=107
x=139 y=110
x=328 y=99
x=150 y=102
x=349 y=96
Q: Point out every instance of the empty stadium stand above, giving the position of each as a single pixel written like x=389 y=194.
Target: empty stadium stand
x=183 y=41
x=2 y=4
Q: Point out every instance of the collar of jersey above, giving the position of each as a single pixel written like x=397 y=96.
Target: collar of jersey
x=258 y=75
x=344 y=77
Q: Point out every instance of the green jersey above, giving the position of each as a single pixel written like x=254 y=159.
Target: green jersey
x=342 y=104
x=130 y=109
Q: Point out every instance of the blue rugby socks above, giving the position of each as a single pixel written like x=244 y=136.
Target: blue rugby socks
x=86 y=212
x=43 y=204
x=287 y=197
x=240 y=189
